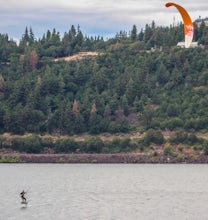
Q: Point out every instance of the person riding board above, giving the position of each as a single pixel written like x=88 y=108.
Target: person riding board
x=22 y=195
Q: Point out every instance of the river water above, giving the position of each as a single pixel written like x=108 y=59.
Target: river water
x=104 y=191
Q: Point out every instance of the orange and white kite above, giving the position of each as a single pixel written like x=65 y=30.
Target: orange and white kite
x=188 y=25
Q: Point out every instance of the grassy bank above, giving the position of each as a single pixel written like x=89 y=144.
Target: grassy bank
x=150 y=147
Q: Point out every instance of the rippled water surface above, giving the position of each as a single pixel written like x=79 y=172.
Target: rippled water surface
x=104 y=191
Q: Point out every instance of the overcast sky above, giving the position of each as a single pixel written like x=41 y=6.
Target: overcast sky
x=95 y=17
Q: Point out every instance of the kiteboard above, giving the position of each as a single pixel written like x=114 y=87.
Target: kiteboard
x=24 y=203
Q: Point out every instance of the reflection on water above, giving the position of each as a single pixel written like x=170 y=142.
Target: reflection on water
x=104 y=191
x=23 y=207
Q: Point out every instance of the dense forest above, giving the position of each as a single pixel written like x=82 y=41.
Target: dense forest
x=139 y=81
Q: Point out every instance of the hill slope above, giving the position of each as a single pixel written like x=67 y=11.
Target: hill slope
x=129 y=88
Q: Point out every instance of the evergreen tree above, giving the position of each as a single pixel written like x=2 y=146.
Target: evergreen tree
x=134 y=33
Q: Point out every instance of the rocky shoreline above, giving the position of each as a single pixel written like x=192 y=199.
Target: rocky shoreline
x=101 y=158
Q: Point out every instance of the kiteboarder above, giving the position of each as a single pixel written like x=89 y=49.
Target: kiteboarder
x=22 y=195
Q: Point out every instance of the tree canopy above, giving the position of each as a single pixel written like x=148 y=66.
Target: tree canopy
x=138 y=81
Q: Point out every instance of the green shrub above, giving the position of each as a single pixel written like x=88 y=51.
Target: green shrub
x=180 y=158
x=154 y=136
x=114 y=145
x=167 y=150
x=8 y=159
x=30 y=144
x=65 y=145
x=179 y=136
x=94 y=145
x=174 y=123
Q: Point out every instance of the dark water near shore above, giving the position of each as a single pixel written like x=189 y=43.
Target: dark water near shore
x=104 y=191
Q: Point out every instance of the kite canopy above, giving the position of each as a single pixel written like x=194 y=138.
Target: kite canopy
x=188 y=25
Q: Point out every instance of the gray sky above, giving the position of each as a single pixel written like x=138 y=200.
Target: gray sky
x=95 y=17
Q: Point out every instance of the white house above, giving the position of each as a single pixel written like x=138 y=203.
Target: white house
x=192 y=45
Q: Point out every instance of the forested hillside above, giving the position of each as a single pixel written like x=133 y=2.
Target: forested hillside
x=138 y=81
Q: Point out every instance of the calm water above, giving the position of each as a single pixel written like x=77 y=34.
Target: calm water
x=104 y=191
